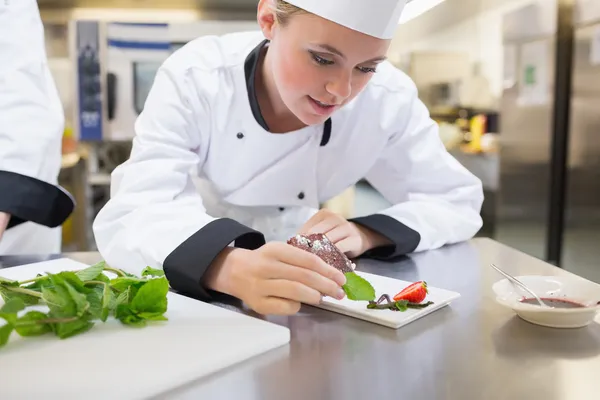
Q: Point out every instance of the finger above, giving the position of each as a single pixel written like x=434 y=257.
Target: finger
x=314 y=263
x=290 y=290
x=349 y=246
x=317 y=282
x=314 y=220
x=325 y=226
x=276 y=306
x=308 y=278
x=293 y=256
x=339 y=233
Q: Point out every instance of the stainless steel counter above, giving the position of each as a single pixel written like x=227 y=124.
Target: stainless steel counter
x=474 y=349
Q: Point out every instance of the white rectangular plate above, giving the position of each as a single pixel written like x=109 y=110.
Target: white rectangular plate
x=112 y=361
x=389 y=318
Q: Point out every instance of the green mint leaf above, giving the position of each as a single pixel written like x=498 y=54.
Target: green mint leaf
x=59 y=301
x=31 y=324
x=134 y=321
x=95 y=300
x=152 y=297
x=401 y=305
x=10 y=309
x=108 y=302
x=13 y=306
x=8 y=295
x=358 y=288
x=9 y=318
x=37 y=285
x=66 y=330
x=152 y=316
x=123 y=298
x=103 y=278
x=80 y=299
x=123 y=283
x=8 y=282
x=121 y=273
x=75 y=302
x=152 y=272
x=5 y=332
x=68 y=307
x=91 y=273
x=72 y=279
x=128 y=317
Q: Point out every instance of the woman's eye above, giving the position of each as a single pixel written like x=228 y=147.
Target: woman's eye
x=320 y=60
x=367 y=70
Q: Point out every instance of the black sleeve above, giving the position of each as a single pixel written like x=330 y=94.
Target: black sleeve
x=29 y=199
x=405 y=240
x=187 y=264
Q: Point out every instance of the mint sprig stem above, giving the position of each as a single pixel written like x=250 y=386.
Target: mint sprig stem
x=28 y=292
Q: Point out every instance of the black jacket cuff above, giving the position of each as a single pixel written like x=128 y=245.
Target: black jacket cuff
x=405 y=240
x=187 y=264
x=28 y=199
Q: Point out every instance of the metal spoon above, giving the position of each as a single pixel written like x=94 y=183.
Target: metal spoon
x=521 y=285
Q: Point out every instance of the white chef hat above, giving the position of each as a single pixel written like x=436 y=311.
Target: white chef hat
x=377 y=18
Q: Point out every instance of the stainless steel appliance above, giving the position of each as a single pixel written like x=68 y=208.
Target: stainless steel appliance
x=582 y=224
x=117 y=63
x=529 y=37
x=549 y=202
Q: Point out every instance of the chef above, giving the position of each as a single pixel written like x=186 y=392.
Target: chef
x=32 y=205
x=244 y=136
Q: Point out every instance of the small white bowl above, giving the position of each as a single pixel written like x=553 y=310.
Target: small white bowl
x=569 y=288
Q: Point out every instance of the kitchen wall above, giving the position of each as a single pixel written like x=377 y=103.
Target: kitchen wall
x=471 y=27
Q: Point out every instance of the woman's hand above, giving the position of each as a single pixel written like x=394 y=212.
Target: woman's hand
x=350 y=238
x=274 y=279
x=4 y=218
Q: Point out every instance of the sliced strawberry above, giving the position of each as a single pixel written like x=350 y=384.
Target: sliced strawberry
x=414 y=293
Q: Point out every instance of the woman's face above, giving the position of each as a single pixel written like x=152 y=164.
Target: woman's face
x=318 y=66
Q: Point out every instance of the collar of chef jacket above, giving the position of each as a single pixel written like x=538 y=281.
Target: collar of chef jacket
x=250 y=125
x=250 y=67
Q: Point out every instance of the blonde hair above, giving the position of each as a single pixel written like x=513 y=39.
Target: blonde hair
x=284 y=11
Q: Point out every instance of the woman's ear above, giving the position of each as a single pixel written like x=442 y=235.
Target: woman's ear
x=266 y=18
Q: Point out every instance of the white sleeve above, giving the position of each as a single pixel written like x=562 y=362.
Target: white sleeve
x=31 y=121
x=436 y=201
x=155 y=216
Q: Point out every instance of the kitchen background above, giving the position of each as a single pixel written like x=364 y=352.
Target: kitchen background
x=514 y=85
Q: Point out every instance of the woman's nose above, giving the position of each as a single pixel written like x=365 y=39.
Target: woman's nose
x=340 y=86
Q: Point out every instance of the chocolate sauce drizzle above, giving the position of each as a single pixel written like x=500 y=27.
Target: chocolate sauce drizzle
x=400 y=305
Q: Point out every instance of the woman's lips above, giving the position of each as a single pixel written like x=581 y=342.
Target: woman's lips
x=322 y=108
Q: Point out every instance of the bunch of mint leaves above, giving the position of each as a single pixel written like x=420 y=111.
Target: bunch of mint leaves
x=77 y=299
x=357 y=288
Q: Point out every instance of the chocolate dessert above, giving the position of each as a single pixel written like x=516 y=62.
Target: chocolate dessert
x=320 y=245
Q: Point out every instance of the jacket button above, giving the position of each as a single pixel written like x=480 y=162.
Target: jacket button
x=240 y=135
x=282 y=209
x=301 y=195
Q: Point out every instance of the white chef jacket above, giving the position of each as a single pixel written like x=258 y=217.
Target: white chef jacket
x=31 y=126
x=205 y=172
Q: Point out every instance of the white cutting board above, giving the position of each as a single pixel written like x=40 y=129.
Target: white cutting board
x=389 y=318
x=112 y=361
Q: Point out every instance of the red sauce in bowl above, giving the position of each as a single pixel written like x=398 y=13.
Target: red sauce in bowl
x=554 y=302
